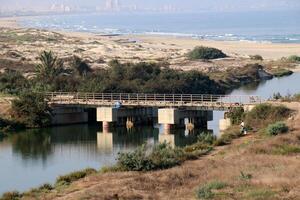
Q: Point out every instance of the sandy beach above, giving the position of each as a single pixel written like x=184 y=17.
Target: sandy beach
x=98 y=49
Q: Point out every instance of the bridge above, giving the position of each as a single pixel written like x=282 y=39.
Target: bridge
x=203 y=101
x=170 y=109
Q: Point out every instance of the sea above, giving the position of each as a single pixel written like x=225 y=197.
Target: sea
x=268 y=27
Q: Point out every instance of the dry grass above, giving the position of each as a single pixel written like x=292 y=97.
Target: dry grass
x=245 y=170
x=269 y=177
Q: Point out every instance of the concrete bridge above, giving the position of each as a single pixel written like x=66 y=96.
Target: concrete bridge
x=190 y=110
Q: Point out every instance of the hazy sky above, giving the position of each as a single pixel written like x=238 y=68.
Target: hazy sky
x=191 y=5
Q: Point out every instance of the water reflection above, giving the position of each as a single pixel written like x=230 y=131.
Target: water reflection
x=33 y=144
x=33 y=157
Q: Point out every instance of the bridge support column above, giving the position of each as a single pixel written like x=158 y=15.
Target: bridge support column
x=105 y=127
x=176 y=118
x=126 y=116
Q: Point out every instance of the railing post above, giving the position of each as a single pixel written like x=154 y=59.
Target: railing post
x=173 y=99
x=191 y=99
x=181 y=99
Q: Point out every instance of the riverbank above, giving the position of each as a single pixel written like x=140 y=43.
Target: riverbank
x=251 y=167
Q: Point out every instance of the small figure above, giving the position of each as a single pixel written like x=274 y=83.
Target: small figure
x=243 y=128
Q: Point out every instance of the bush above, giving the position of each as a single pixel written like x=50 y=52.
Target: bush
x=12 y=82
x=32 y=110
x=74 y=176
x=236 y=115
x=294 y=58
x=256 y=57
x=265 y=114
x=281 y=72
x=202 y=52
x=206 y=138
x=162 y=156
x=11 y=196
x=205 y=192
x=277 y=128
x=230 y=134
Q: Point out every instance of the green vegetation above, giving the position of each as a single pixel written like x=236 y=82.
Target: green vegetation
x=162 y=156
x=207 y=191
x=206 y=53
x=277 y=128
x=12 y=82
x=11 y=196
x=236 y=115
x=32 y=110
x=230 y=134
x=286 y=149
x=281 y=72
x=53 y=75
x=264 y=114
x=74 y=176
x=294 y=58
x=256 y=57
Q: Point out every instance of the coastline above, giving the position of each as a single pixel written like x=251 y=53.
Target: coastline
x=232 y=48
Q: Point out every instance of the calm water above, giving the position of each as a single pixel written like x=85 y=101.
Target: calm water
x=288 y=85
x=34 y=157
x=276 y=27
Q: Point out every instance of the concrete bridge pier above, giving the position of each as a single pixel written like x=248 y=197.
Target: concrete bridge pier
x=172 y=117
x=127 y=117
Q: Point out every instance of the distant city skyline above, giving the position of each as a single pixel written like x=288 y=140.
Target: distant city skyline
x=148 y=5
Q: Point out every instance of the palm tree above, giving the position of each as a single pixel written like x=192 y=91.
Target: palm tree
x=50 y=66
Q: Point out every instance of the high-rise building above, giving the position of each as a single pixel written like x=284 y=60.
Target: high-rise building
x=112 y=5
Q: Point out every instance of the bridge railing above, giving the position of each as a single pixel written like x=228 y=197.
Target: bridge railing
x=137 y=98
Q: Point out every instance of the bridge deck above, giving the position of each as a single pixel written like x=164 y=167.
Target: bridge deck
x=202 y=101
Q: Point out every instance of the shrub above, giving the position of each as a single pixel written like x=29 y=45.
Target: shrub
x=12 y=82
x=74 y=176
x=231 y=133
x=205 y=192
x=202 y=52
x=281 y=72
x=236 y=115
x=256 y=57
x=265 y=114
x=206 y=138
x=11 y=196
x=162 y=156
x=294 y=58
x=32 y=110
x=277 y=128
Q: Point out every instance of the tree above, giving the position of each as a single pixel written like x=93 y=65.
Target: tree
x=50 y=66
x=32 y=110
x=12 y=82
x=80 y=67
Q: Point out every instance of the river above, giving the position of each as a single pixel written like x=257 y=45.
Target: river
x=33 y=157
